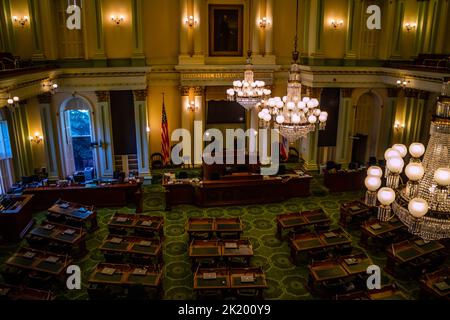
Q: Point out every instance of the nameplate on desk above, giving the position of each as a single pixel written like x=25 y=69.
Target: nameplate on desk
x=29 y=255
x=330 y=235
x=52 y=259
x=376 y=226
x=108 y=271
x=145 y=243
x=140 y=272
x=121 y=219
x=147 y=223
x=49 y=227
x=247 y=279
x=355 y=208
x=64 y=205
x=116 y=240
x=210 y=276
x=69 y=232
x=231 y=245
x=351 y=261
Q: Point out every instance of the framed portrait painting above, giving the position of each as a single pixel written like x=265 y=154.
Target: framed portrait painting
x=225 y=30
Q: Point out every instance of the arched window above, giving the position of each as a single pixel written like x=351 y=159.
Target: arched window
x=78 y=137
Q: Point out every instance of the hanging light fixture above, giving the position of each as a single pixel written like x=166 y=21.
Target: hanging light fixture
x=248 y=92
x=293 y=115
x=423 y=203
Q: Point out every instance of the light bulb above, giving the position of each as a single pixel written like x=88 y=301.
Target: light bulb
x=323 y=118
x=386 y=196
x=16 y=99
x=401 y=148
x=418 y=207
x=442 y=177
x=391 y=153
x=312 y=119
x=267 y=117
x=416 y=150
x=372 y=183
x=375 y=171
x=10 y=101
x=230 y=92
x=280 y=119
x=395 y=165
x=414 y=171
x=295 y=118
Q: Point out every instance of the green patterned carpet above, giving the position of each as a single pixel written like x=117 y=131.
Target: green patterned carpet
x=286 y=281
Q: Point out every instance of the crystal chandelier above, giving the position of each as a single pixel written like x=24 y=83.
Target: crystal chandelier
x=293 y=115
x=248 y=92
x=423 y=203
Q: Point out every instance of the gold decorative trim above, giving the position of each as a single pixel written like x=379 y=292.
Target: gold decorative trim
x=102 y=96
x=140 y=95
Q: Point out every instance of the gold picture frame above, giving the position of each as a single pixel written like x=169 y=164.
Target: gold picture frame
x=226 y=30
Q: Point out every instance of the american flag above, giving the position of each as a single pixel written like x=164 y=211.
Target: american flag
x=165 y=142
x=284 y=148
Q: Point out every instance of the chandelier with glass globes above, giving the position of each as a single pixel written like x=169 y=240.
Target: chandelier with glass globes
x=293 y=115
x=248 y=92
x=422 y=203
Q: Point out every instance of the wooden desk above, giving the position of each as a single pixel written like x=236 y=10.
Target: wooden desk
x=344 y=181
x=133 y=246
x=403 y=253
x=87 y=215
x=16 y=220
x=375 y=229
x=344 y=268
x=213 y=225
x=127 y=275
x=298 y=220
x=351 y=211
x=237 y=191
x=437 y=284
x=215 y=249
x=323 y=240
x=11 y=293
x=228 y=225
x=137 y=222
x=388 y=292
x=39 y=262
x=230 y=279
x=61 y=234
x=112 y=195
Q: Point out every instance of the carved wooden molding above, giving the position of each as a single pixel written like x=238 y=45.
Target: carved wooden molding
x=102 y=96
x=140 y=95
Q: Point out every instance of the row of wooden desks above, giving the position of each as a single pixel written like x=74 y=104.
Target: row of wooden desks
x=85 y=215
x=8 y=292
x=298 y=220
x=377 y=230
x=137 y=222
x=39 y=261
x=230 y=279
x=318 y=240
x=437 y=284
x=213 y=225
x=409 y=250
x=127 y=275
x=216 y=249
x=133 y=246
x=61 y=234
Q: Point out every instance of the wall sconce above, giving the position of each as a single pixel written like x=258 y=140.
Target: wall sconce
x=402 y=83
x=21 y=20
x=37 y=138
x=117 y=19
x=263 y=23
x=336 y=23
x=192 y=107
x=190 y=21
x=399 y=126
x=51 y=86
x=410 y=26
x=13 y=103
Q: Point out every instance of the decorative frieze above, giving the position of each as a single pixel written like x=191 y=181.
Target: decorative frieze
x=185 y=91
x=102 y=96
x=199 y=91
x=140 y=95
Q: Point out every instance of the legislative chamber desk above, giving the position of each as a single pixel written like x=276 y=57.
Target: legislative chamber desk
x=16 y=219
x=237 y=191
x=107 y=195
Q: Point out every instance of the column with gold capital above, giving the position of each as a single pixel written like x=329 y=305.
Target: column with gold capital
x=345 y=127
x=48 y=132
x=104 y=135
x=140 y=116
x=309 y=145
